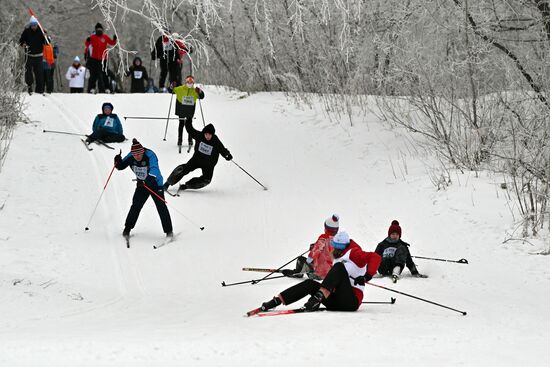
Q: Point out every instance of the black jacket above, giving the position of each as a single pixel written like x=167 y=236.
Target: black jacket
x=138 y=76
x=206 y=152
x=170 y=55
x=394 y=254
x=35 y=41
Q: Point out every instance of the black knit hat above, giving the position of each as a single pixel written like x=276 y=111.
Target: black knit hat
x=209 y=129
x=98 y=26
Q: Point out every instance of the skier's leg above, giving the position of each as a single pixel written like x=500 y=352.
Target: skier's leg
x=342 y=297
x=162 y=209
x=201 y=181
x=299 y=291
x=140 y=197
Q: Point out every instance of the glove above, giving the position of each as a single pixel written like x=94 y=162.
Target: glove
x=115 y=37
x=151 y=182
x=314 y=302
x=228 y=157
x=198 y=90
x=140 y=183
x=362 y=279
x=118 y=159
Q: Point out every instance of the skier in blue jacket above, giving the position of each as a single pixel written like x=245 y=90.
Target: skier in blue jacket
x=106 y=126
x=145 y=165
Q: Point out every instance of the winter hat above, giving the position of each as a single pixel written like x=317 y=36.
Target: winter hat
x=394 y=228
x=332 y=223
x=340 y=241
x=76 y=59
x=98 y=26
x=209 y=129
x=108 y=105
x=33 y=20
x=137 y=148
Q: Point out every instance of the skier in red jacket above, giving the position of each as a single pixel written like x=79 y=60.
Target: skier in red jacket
x=95 y=54
x=342 y=289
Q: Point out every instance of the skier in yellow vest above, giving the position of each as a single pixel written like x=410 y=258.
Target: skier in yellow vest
x=186 y=100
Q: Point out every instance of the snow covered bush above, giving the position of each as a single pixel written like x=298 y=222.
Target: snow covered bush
x=10 y=85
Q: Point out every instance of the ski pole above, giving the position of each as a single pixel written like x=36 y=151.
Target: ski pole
x=461 y=261
x=252 y=177
x=100 y=196
x=168 y=116
x=380 y=302
x=280 y=267
x=262 y=270
x=415 y=297
x=149 y=118
x=177 y=211
x=224 y=284
x=62 y=132
x=202 y=114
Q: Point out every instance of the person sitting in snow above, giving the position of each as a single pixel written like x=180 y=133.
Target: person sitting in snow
x=208 y=148
x=343 y=286
x=144 y=163
x=106 y=126
x=395 y=254
x=319 y=261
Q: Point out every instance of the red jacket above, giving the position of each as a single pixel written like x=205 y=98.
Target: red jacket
x=96 y=46
x=357 y=263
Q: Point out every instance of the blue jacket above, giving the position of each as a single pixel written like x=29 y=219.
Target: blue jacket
x=145 y=169
x=109 y=123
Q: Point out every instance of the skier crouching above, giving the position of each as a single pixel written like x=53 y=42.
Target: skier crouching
x=145 y=165
x=208 y=147
x=342 y=289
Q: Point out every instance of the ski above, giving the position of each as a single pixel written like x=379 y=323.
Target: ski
x=86 y=145
x=166 y=241
x=286 y=312
x=99 y=142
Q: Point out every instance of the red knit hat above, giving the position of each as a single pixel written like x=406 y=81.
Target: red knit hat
x=394 y=228
x=137 y=148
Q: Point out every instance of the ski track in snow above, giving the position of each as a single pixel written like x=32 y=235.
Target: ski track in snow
x=72 y=297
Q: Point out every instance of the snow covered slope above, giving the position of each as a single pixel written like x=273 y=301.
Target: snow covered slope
x=73 y=297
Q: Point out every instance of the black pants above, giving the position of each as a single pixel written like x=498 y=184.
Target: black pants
x=34 y=70
x=182 y=122
x=48 y=79
x=140 y=197
x=106 y=137
x=172 y=69
x=196 y=182
x=342 y=297
x=96 y=75
x=77 y=90
x=398 y=259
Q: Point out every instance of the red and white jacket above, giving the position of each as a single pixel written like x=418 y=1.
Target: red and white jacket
x=96 y=46
x=358 y=262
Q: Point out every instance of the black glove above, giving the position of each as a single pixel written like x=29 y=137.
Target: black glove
x=140 y=183
x=362 y=279
x=151 y=182
x=311 y=246
x=198 y=90
x=228 y=157
x=118 y=159
x=115 y=37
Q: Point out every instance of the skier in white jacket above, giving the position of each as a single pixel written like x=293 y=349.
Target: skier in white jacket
x=76 y=75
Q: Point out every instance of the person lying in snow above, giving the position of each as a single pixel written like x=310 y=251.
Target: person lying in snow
x=343 y=286
x=319 y=260
x=395 y=254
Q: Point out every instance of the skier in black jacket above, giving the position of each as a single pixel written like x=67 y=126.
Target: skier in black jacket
x=33 y=40
x=208 y=147
x=138 y=75
x=395 y=254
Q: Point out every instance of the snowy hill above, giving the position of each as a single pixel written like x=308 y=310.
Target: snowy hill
x=73 y=297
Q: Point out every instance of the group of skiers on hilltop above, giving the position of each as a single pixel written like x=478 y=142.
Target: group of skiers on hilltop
x=343 y=268
x=40 y=63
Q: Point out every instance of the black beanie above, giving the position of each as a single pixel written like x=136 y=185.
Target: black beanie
x=209 y=129
x=98 y=26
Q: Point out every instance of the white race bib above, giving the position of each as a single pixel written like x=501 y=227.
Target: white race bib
x=188 y=101
x=109 y=122
x=141 y=172
x=205 y=148
x=389 y=252
x=167 y=46
x=138 y=74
